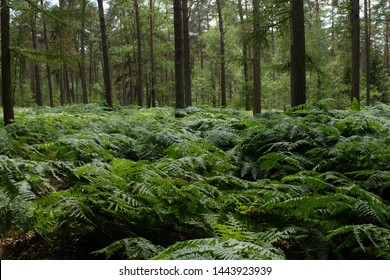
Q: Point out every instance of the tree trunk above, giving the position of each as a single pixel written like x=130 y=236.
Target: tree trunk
x=48 y=70
x=298 y=55
x=256 y=59
x=244 y=58
x=186 y=55
x=37 y=70
x=355 y=44
x=83 y=77
x=386 y=52
x=139 y=55
x=152 y=63
x=106 y=58
x=367 y=50
x=179 y=79
x=8 y=109
x=222 y=54
x=61 y=71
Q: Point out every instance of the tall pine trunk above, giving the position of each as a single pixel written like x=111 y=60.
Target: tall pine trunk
x=179 y=79
x=37 y=71
x=139 y=55
x=82 y=70
x=152 y=62
x=298 y=54
x=387 y=37
x=106 y=58
x=8 y=109
x=355 y=45
x=186 y=55
x=222 y=53
x=244 y=57
x=256 y=59
x=367 y=49
x=48 y=69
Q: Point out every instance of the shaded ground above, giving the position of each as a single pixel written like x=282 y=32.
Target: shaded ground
x=30 y=246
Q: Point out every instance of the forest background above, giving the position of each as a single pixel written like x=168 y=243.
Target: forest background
x=57 y=52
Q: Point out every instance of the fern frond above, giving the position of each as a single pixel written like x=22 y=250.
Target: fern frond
x=132 y=248
x=213 y=248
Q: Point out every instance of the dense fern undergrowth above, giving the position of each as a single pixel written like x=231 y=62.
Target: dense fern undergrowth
x=215 y=184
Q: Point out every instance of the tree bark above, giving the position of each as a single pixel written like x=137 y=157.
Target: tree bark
x=82 y=70
x=48 y=69
x=8 y=109
x=186 y=55
x=386 y=52
x=298 y=55
x=179 y=79
x=152 y=62
x=367 y=50
x=222 y=53
x=61 y=71
x=244 y=58
x=139 y=55
x=106 y=58
x=256 y=59
x=355 y=44
x=37 y=71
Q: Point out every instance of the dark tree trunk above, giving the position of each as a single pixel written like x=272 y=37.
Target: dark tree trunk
x=61 y=73
x=355 y=30
x=48 y=70
x=106 y=58
x=244 y=58
x=387 y=37
x=139 y=55
x=222 y=53
x=298 y=55
x=186 y=55
x=8 y=109
x=152 y=63
x=256 y=59
x=83 y=77
x=179 y=79
x=37 y=71
x=367 y=50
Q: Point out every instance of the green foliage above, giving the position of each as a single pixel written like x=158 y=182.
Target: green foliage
x=310 y=183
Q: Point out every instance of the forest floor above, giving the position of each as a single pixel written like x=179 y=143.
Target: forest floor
x=84 y=182
x=31 y=246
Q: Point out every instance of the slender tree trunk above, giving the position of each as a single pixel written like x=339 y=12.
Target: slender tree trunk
x=106 y=58
x=48 y=70
x=8 y=109
x=179 y=79
x=152 y=63
x=355 y=29
x=256 y=59
x=67 y=88
x=139 y=55
x=367 y=50
x=298 y=55
x=186 y=55
x=37 y=70
x=386 y=52
x=82 y=70
x=244 y=57
x=61 y=72
x=199 y=26
x=317 y=9
x=222 y=54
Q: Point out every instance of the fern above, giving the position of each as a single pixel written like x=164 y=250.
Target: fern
x=366 y=237
x=215 y=249
x=133 y=248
